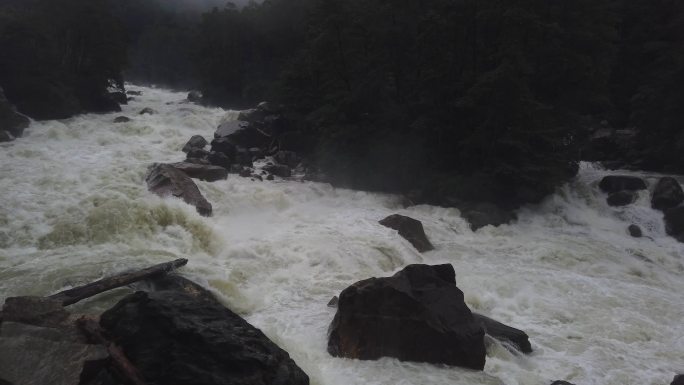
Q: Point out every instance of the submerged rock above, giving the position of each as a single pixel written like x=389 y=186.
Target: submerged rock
x=148 y=111
x=195 y=142
x=195 y=96
x=122 y=119
x=416 y=315
x=209 y=173
x=165 y=180
x=187 y=337
x=409 y=228
x=621 y=198
x=674 y=222
x=635 y=231
x=616 y=183
x=560 y=382
x=504 y=333
x=34 y=311
x=667 y=194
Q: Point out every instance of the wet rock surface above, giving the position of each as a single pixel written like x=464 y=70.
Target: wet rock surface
x=195 y=142
x=166 y=180
x=504 y=333
x=635 y=231
x=205 y=172
x=667 y=194
x=674 y=222
x=416 y=315
x=409 y=228
x=183 y=335
x=616 y=183
x=621 y=198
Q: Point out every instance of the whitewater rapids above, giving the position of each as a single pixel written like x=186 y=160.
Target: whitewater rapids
x=600 y=307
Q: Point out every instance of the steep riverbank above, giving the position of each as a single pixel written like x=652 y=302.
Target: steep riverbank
x=600 y=306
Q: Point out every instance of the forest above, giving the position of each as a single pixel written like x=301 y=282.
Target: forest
x=447 y=101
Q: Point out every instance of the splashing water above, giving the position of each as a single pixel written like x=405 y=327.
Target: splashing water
x=600 y=307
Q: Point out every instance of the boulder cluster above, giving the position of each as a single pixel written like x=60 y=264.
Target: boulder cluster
x=667 y=196
x=258 y=134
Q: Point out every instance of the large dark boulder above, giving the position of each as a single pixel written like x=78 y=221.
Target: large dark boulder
x=166 y=180
x=409 y=228
x=177 y=337
x=208 y=173
x=11 y=121
x=615 y=183
x=195 y=96
x=196 y=141
x=219 y=159
x=243 y=134
x=416 y=315
x=667 y=194
x=674 y=222
x=484 y=214
x=678 y=380
x=504 y=333
x=621 y=198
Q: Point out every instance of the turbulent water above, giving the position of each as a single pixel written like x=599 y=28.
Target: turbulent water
x=600 y=307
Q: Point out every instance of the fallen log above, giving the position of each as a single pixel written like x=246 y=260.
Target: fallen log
x=119 y=360
x=71 y=296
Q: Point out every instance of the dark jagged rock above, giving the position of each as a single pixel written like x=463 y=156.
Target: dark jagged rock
x=209 y=173
x=505 y=333
x=225 y=146
x=667 y=194
x=678 y=380
x=270 y=177
x=409 y=228
x=196 y=141
x=288 y=158
x=245 y=172
x=559 y=382
x=416 y=315
x=480 y=215
x=165 y=180
x=257 y=177
x=635 y=231
x=134 y=93
x=252 y=116
x=674 y=222
x=195 y=96
x=621 y=198
x=198 y=153
x=268 y=107
x=176 y=337
x=236 y=169
x=11 y=121
x=333 y=301
x=278 y=170
x=148 y=111
x=616 y=183
x=219 y=159
x=122 y=119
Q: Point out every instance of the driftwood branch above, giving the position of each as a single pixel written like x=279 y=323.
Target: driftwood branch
x=119 y=360
x=71 y=296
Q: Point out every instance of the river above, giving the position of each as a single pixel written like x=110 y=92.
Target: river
x=600 y=306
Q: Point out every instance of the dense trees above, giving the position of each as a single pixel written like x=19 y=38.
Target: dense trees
x=453 y=100
x=60 y=57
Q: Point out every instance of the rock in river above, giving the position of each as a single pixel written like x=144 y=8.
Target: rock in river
x=615 y=183
x=189 y=338
x=165 y=180
x=203 y=172
x=409 y=228
x=667 y=194
x=416 y=315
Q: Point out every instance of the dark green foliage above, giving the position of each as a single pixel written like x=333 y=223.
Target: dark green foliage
x=60 y=56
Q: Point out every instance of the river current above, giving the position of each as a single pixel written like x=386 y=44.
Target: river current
x=600 y=307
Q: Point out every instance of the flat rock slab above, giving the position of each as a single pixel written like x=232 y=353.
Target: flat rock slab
x=31 y=355
x=409 y=228
x=205 y=172
x=416 y=315
x=166 y=180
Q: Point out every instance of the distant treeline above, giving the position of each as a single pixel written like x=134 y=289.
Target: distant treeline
x=454 y=100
